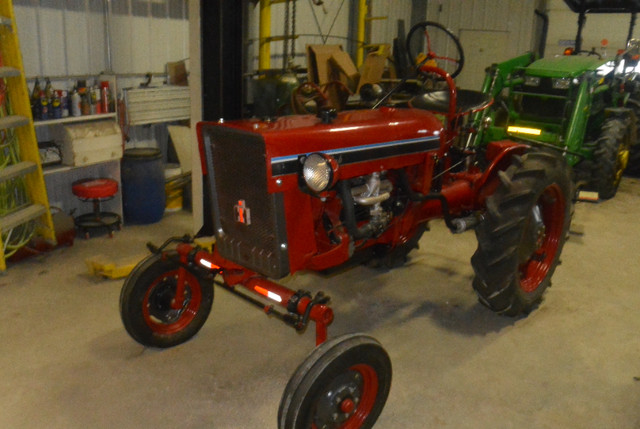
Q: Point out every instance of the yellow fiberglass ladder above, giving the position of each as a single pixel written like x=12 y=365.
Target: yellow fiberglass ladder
x=24 y=207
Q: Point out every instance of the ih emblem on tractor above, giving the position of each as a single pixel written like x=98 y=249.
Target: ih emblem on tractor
x=242 y=213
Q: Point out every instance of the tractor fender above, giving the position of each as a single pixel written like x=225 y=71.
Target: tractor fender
x=499 y=154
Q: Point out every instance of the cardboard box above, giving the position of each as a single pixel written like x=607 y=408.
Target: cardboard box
x=177 y=73
x=374 y=65
x=328 y=63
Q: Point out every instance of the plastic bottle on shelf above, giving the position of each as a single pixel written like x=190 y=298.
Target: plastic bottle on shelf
x=55 y=106
x=64 y=103
x=36 y=108
x=44 y=106
x=85 y=101
x=92 y=101
x=76 y=101
x=97 y=96
x=48 y=89
x=104 y=96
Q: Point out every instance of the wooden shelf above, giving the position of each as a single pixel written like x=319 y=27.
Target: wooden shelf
x=72 y=119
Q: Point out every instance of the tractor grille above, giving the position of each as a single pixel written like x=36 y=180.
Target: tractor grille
x=249 y=222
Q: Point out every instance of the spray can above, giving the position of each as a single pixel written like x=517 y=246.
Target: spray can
x=64 y=102
x=104 y=89
x=75 y=103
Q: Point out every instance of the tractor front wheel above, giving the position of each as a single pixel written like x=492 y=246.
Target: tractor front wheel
x=611 y=157
x=150 y=309
x=521 y=237
x=343 y=383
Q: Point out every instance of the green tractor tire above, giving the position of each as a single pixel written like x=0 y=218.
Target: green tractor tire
x=611 y=157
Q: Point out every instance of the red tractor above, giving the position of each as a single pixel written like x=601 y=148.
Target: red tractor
x=313 y=192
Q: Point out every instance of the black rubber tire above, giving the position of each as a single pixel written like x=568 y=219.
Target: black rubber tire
x=424 y=27
x=351 y=367
x=145 y=296
x=611 y=157
x=388 y=259
x=633 y=167
x=517 y=254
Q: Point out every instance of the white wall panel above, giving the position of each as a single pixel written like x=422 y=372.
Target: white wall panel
x=140 y=49
x=473 y=18
x=28 y=33
x=385 y=30
x=121 y=42
x=96 y=43
x=76 y=47
x=60 y=41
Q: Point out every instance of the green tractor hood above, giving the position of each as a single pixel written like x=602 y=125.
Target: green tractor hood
x=564 y=66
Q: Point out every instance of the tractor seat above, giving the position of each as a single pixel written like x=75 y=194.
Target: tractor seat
x=438 y=101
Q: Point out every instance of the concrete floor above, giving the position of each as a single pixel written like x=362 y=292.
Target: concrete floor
x=67 y=362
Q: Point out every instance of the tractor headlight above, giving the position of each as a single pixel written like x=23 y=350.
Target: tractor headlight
x=319 y=172
x=532 y=80
x=561 y=83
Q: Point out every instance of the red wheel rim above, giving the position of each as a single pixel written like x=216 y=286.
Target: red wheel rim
x=552 y=209
x=359 y=407
x=368 y=398
x=158 y=300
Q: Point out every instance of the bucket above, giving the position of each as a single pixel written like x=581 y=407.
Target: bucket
x=142 y=174
x=172 y=192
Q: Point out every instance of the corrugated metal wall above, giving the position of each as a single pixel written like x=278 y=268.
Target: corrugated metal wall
x=67 y=37
x=490 y=31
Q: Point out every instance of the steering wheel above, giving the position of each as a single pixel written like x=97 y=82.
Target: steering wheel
x=437 y=38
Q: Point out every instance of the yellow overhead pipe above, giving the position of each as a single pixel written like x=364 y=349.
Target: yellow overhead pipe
x=264 y=52
x=362 y=19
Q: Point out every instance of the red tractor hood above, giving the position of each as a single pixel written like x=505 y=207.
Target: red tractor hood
x=354 y=138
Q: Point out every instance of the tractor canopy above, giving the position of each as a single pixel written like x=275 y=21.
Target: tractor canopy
x=604 y=6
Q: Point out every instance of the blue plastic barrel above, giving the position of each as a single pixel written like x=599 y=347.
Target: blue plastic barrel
x=143 y=195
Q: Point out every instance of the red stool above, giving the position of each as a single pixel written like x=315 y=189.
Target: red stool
x=96 y=191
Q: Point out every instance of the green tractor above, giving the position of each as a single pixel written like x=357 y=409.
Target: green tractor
x=582 y=104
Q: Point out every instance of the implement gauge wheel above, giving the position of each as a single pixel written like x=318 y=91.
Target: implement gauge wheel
x=343 y=383
x=521 y=237
x=146 y=303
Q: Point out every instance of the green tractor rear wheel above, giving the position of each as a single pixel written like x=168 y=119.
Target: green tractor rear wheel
x=611 y=157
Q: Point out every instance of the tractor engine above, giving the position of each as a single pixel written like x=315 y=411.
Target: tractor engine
x=371 y=197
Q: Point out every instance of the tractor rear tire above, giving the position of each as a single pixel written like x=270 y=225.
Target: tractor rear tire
x=633 y=167
x=521 y=237
x=389 y=259
x=611 y=157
